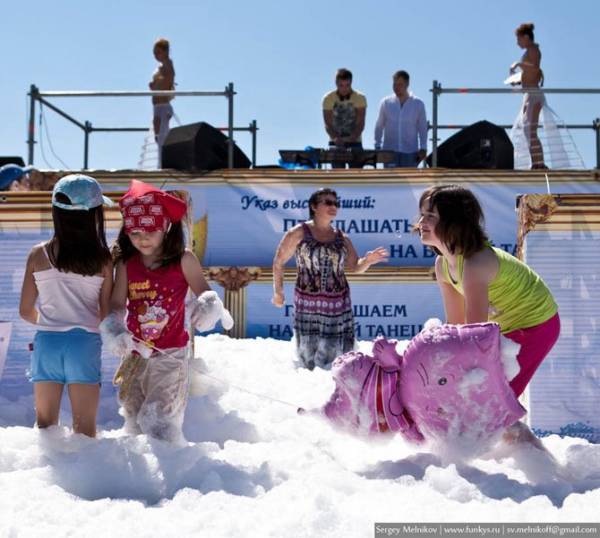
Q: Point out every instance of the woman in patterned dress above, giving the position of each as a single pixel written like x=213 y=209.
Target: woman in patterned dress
x=323 y=320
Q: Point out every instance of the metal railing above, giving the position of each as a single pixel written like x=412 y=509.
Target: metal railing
x=437 y=90
x=41 y=96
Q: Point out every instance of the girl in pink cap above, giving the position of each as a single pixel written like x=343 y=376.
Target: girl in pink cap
x=154 y=272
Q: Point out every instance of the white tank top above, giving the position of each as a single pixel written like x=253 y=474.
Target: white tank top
x=67 y=300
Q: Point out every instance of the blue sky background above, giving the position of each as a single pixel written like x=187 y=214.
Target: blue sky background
x=282 y=57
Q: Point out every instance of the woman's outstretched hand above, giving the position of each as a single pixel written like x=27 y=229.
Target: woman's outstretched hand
x=378 y=255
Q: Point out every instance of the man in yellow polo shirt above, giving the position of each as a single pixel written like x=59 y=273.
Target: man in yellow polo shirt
x=344 y=111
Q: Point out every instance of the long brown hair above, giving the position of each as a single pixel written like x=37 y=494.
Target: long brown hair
x=79 y=242
x=461 y=222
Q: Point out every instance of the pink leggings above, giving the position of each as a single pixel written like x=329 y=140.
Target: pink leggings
x=536 y=342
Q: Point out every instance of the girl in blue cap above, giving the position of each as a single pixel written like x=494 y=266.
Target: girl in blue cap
x=66 y=293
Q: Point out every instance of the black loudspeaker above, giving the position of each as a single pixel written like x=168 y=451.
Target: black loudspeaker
x=199 y=146
x=481 y=145
x=11 y=160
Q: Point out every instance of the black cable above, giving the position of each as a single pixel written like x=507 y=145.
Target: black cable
x=66 y=167
x=41 y=140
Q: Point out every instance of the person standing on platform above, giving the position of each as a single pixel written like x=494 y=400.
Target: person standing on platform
x=532 y=78
x=323 y=319
x=344 y=112
x=402 y=122
x=162 y=79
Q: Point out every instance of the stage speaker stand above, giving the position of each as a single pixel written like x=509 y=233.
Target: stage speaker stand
x=199 y=146
x=482 y=145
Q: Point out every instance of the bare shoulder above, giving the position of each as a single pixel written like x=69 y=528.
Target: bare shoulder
x=189 y=258
x=482 y=264
x=346 y=237
x=534 y=52
x=38 y=250
x=295 y=233
x=37 y=259
x=168 y=66
x=439 y=269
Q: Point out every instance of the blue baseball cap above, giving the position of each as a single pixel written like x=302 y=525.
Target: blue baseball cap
x=84 y=192
x=12 y=172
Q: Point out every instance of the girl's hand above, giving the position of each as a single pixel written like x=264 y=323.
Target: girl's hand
x=207 y=310
x=278 y=299
x=378 y=255
x=514 y=66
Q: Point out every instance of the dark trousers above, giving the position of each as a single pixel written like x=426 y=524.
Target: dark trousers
x=347 y=145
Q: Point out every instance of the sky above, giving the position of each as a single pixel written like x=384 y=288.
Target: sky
x=281 y=57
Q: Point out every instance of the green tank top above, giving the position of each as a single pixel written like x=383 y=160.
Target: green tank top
x=518 y=297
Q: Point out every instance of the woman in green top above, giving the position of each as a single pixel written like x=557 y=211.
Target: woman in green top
x=482 y=283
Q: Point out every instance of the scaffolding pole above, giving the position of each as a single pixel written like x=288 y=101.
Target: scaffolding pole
x=36 y=95
x=437 y=90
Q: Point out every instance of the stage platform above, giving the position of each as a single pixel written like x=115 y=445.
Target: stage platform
x=349 y=176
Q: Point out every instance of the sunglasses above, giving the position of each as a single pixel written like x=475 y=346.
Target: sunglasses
x=328 y=202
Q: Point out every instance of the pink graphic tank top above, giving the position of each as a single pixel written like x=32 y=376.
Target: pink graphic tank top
x=156 y=303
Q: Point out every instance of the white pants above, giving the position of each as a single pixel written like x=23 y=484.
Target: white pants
x=556 y=146
x=156 y=393
x=164 y=112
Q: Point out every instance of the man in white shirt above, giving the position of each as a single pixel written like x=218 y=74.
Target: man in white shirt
x=402 y=123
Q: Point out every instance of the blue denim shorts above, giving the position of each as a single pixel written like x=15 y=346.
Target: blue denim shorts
x=66 y=357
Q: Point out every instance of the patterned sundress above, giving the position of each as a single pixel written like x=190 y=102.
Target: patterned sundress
x=323 y=320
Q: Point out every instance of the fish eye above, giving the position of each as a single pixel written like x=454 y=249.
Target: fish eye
x=442 y=381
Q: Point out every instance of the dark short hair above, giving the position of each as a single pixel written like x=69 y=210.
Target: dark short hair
x=316 y=197
x=461 y=222
x=526 y=29
x=343 y=74
x=79 y=238
x=402 y=74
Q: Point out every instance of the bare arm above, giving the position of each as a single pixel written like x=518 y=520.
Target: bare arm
x=380 y=125
x=328 y=119
x=193 y=272
x=29 y=292
x=360 y=124
x=284 y=252
x=478 y=272
x=454 y=303
x=169 y=76
x=422 y=130
x=532 y=60
x=118 y=298
x=354 y=264
x=106 y=290
x=164 y=78
x=476 y=297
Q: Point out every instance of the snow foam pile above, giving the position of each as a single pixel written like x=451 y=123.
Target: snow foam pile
x=253 y=467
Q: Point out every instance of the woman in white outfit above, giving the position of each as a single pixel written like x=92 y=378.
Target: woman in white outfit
x=533 y=102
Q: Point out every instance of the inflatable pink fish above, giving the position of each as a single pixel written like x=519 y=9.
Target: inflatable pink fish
x=450 y=382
